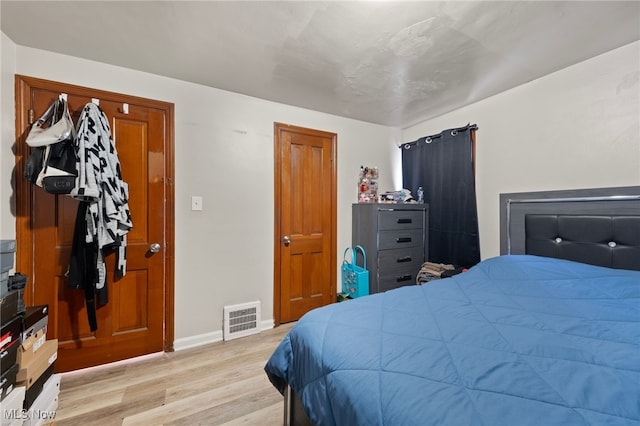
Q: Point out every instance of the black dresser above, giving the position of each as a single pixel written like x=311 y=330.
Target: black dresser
x=395 y=238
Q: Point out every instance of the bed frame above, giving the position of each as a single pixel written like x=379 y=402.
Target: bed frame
x=595 y=226
x=294 y=414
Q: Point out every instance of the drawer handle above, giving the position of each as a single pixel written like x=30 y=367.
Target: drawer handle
x=403 y=240
x=403 y=278
x=405 y=221
x=404 y=259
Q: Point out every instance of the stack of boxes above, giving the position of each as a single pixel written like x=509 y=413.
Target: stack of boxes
x=36 y=358
x=30 y=389
x=11 y=397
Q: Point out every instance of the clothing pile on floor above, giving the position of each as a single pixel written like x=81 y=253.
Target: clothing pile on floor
x=433 y=271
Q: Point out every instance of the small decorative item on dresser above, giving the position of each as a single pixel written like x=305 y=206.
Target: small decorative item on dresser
x=368 y=185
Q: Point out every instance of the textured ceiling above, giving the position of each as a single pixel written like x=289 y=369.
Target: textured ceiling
x=394 y=63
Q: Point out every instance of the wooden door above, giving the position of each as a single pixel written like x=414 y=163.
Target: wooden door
x=305 y=221
x=138 y=318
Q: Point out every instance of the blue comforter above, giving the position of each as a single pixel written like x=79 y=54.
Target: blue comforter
x=516 y=340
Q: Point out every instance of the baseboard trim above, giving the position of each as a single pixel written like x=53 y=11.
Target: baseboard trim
x=266 y=325
x=198 y=340
x=213 y=337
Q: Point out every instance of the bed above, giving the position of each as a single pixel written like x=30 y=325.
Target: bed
x=547 y=333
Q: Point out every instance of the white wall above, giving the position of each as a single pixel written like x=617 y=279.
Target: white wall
x=576 y=128
x=224 y=153
x=7 y=137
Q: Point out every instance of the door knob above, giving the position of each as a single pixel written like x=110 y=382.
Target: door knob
x=286 y=240
x=155 y=247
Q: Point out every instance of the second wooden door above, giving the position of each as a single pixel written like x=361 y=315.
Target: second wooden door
x=305 y=220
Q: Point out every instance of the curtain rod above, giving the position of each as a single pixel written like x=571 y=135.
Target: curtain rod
x=408 y=145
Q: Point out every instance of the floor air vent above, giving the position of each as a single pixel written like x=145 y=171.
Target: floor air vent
x=241 y=320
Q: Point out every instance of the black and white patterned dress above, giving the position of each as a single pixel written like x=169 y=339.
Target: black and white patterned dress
x=104 y=218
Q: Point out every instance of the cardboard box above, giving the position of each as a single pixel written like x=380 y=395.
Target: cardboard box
x=43 y=408
x=28 y=349
x=35 y=318
x=8 y=306
x=10 y=332
x=36 y=388
x=7 y=381
x=12 y=414
x=9 y=343
x=43 y=359
x=8 y=356
x=7 y=250
x=4 y=283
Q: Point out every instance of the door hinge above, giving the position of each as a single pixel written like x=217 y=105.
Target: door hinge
x=31 y=115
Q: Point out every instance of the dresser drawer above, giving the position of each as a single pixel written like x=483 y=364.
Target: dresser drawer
x=400 y=219
x=399 y=274
x=390 y=259
x=388 y=240
x=389 y=283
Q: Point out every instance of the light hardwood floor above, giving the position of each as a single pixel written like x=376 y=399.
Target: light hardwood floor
x=221 y=383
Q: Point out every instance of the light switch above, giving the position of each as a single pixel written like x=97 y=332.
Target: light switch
x=196 y=203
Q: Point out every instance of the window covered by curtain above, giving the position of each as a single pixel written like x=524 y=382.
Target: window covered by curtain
x=442 y=165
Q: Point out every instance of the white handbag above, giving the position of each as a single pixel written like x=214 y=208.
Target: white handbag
x=58 y=129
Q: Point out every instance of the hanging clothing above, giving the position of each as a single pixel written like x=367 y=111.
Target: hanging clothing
x=443 y=166
x=105 y=218
x=83 y=270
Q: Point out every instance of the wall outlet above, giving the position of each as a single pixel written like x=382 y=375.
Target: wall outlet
x=196 y=203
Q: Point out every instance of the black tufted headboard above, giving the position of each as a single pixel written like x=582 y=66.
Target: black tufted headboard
x=611 y=241
x=597 y=226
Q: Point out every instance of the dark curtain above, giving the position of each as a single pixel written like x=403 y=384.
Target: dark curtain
x=443 y=166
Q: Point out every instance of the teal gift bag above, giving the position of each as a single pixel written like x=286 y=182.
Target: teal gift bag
x=355 y=279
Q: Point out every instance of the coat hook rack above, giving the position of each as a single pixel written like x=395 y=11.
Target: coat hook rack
x=63 y=97
x=95 y=101
x=125 y=108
